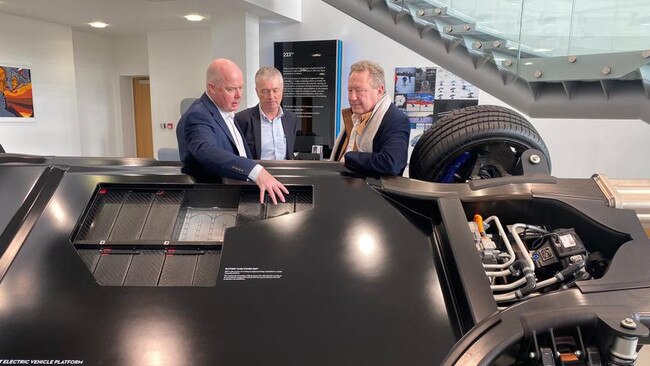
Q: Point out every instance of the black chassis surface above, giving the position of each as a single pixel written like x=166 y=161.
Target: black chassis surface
x=377 y=272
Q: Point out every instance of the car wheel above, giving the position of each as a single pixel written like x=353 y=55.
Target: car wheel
x=477 y=142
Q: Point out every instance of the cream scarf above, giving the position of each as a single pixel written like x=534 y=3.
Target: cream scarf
x=364 y=141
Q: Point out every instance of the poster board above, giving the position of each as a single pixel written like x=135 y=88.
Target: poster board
x=312 y=75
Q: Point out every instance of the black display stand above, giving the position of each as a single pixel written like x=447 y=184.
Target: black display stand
x=312 y=74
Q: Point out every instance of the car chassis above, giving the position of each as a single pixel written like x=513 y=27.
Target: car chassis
x=129 y=262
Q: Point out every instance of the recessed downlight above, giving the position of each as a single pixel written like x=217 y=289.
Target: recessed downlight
x=194 y=17
x=98 y=24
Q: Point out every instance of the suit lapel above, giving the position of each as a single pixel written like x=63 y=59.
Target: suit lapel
x=257 y=130
x=246 y=149
x=288 y=127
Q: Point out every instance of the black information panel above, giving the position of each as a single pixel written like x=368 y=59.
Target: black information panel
x=312 y=74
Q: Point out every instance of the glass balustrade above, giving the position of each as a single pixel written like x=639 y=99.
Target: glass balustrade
x=524 y=34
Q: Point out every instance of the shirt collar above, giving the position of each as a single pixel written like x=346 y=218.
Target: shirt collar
x=223 y=113
x=264 y=117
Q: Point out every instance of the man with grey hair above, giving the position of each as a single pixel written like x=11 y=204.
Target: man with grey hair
x=374 y=140
x=210 y=143
x=269 y=131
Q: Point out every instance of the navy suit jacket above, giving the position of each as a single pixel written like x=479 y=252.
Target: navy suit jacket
x=390 y=147
x=249 y=120
x=207 y=149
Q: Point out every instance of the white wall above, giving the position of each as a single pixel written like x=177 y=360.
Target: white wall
x=99 y=130
x=235 y=36
x=178 y=61
x=46 y=48
x=131 y=56
x=288 y=8
x=126 y=110
x=578 y=148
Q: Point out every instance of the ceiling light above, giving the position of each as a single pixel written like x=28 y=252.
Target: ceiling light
x=98 y=24
x=194 y=17
x=542 y=50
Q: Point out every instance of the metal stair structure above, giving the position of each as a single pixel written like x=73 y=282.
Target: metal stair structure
x=611 y=85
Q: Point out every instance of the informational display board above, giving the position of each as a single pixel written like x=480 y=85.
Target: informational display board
x=312 y=75
x=427 y=94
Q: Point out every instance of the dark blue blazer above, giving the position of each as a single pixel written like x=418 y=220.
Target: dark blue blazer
x=249 y=121
x=390 y=147
x=207 y=149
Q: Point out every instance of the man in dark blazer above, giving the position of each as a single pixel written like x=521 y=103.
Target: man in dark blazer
x=210 y=143
x=269 y=131
x=375 y=133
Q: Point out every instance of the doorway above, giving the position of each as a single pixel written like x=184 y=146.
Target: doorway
x=142 y=115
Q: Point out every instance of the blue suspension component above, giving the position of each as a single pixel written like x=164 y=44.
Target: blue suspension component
x=453 y=167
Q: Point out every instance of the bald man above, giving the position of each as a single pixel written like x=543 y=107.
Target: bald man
x=210 y=142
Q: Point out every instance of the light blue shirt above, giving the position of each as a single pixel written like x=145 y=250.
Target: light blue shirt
x=273 y=140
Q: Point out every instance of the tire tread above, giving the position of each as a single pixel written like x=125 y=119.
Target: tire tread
x=461 y=128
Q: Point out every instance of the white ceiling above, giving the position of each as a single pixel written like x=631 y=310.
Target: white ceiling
x=129 y=17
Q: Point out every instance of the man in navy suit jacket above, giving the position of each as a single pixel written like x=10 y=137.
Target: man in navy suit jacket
x=374 y=140
x=210 y=143
x=269 y=131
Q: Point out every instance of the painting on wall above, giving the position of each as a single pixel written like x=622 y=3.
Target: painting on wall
x=16 y=101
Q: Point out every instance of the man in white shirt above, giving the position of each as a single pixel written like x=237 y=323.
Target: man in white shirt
x=269 y=131
x=210 y=143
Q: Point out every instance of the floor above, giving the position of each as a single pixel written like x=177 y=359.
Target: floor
x=644 y=357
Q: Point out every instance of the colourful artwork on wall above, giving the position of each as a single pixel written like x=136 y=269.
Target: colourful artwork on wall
x=16 y=100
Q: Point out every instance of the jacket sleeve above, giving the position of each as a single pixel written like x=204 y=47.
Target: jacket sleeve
x=292 y=139
x=211 y=147
x=390 y=158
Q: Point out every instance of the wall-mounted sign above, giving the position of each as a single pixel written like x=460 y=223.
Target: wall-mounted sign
x=312 y=72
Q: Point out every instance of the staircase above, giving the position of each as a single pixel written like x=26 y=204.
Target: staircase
x=550 y=59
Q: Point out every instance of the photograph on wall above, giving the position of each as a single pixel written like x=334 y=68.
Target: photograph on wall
x=400 y=101
x=419 y=123
x=450 y=86
x=425 y=80
x=405 y=80
x=16 y=102
x=419 y=102
x=420 y=120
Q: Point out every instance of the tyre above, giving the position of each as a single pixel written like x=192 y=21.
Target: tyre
x=477 y=142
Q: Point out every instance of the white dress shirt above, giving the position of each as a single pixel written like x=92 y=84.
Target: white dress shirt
x=228 y=117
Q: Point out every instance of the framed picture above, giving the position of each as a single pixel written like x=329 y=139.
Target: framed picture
x=16 y=99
